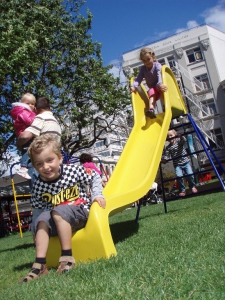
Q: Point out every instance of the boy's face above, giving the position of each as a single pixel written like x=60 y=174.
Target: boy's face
x=47 y=163
x=170 y=136
x=148 y=60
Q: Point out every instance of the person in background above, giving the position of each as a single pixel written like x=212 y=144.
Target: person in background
x=44 y=123
x=61 y=190
x=182 y=164
x=86 y=160
x=23 y=114
x=151 y=72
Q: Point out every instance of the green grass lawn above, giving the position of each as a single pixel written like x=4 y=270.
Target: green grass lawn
x=178 y=255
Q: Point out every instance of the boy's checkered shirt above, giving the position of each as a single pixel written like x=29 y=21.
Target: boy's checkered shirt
x=69 y=186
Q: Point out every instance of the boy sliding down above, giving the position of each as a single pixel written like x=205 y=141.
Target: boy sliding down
x=60 y=190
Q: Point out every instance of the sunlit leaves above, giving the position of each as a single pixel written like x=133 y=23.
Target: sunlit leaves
x=46 y=49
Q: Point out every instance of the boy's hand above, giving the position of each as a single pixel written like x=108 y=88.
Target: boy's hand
x=132 y=89
x=101 y=202
x=163 y=87
x=164 y=161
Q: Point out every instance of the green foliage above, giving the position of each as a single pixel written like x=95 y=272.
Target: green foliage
x=46 y=49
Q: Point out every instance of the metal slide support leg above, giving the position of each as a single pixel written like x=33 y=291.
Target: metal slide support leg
x=204 y=144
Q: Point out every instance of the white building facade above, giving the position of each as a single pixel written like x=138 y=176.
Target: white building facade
x=197 y=58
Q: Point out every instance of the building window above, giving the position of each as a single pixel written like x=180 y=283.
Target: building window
x=204 y=82
x=194 y=55
x=211 y=104
x=114 y=142
x=217 y=132
x=116 y=153
x=172 y=62
x=105 y=153
x=99 y=144
x=162 y=61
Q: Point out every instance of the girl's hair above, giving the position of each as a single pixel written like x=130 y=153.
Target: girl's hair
x=43 y=141
x=86 y=157
x=147 y=50
x=28 y=96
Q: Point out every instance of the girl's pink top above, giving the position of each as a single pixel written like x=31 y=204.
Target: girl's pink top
x=91 y=165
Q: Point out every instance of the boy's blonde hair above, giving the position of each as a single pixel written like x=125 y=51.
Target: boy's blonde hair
x=173 y=131
x=43 y=141
x=28 y=96
x=147 y=50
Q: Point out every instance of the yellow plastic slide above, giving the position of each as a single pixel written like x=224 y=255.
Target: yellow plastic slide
x=132 y=177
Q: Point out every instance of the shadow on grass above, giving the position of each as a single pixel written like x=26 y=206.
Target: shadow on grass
x=123 y=230
x=24 y=266
x=26 y=246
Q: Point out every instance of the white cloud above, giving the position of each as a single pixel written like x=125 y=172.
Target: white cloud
x=190 y=24
x=163 y=34
x=215 y=16
x=149 y=39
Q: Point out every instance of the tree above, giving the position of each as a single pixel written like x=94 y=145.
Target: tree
x=46 y=49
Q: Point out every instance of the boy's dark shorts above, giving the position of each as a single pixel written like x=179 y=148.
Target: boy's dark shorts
x=75 y=215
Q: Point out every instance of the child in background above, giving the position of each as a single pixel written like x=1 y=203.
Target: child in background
x=23 y=114
x=87 y=161
x=151 y=72
x=173 y=150
x=58 y=190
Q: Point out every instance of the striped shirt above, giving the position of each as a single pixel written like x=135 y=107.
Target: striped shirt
x=44 y=123
x=175 y=150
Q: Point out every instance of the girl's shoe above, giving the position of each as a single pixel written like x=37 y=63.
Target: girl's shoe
x=36 y=271
x=66 y=264
x=150 y=113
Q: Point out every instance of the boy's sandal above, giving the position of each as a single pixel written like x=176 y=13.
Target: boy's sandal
x=66 y=264
x=182 y=194
x=31 y=275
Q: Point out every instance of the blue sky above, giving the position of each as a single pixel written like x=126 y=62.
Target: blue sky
x=122 y=25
